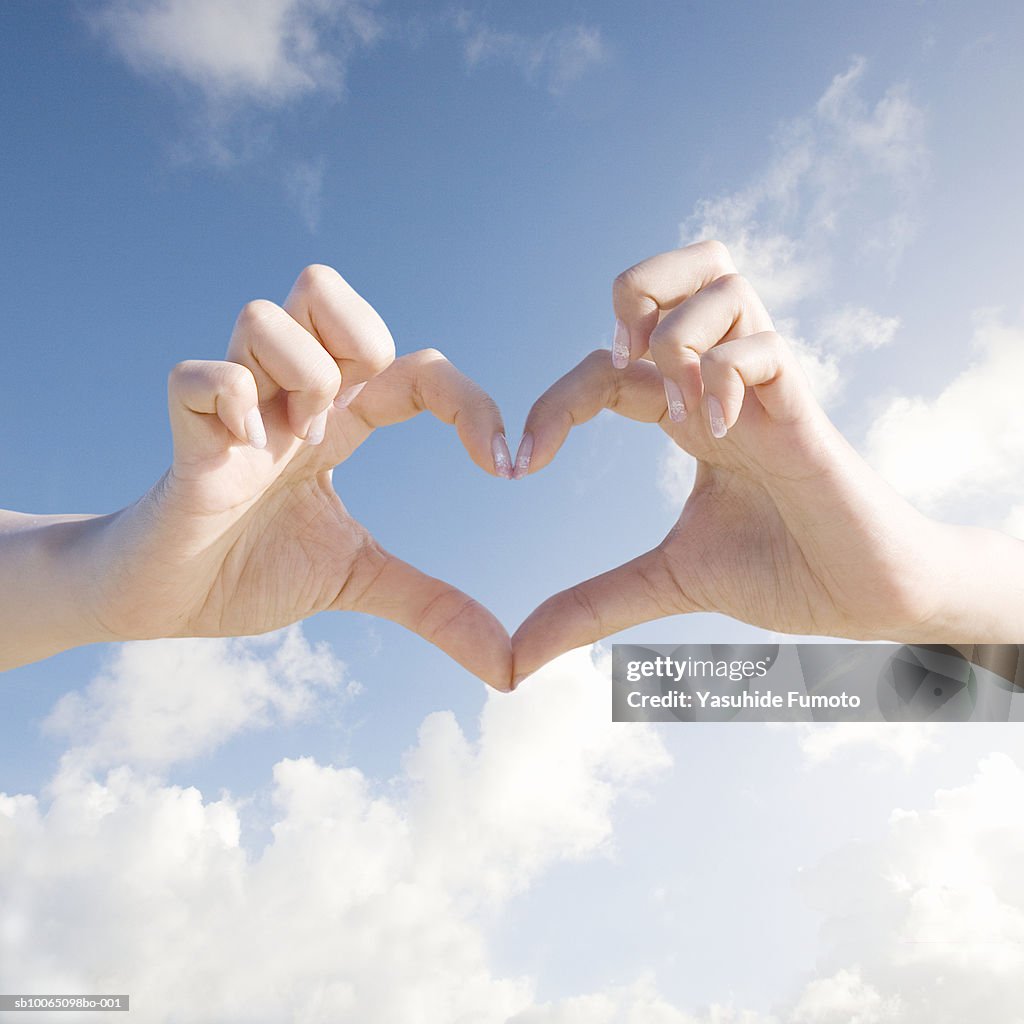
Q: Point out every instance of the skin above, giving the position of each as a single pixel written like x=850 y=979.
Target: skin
x=239 y=538
x=786 y=526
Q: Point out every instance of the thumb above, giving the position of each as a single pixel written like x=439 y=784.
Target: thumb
x=638 y=591
x=443 y=615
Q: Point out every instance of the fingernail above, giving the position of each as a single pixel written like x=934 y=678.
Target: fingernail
x=523 y=457
x=502 y=457
x=346 y=395
x=676 y=405
x=317 y=428
x=717 y=416
x=620 y=345
x=255 y=431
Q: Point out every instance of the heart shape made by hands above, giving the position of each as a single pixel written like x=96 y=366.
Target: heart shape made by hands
x=786 y=527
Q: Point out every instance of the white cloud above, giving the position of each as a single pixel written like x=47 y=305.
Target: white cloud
x=372 y=900
x=843 y=183
x=844 y=999
x=304 y=184
x=854 y=329
x=845 y=175
x=933 y=914
x=253 y=50
x=636 y=1003
x=924 y=926
x=906 y=741
x=553 y=59
x=962 y=450
x=163 y=701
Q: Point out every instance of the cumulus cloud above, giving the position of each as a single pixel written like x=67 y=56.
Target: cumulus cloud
x=855 y=329
x=932 y=916
x=924 y=926
x=163 y=701
x=552 y=59
x=961 y=451
x=844 y=999
x=844 y=175
x=905 y=741
x=234 y=62
x=842 y=183
x=372 y=899
x=263 y=51
x=636 y=1003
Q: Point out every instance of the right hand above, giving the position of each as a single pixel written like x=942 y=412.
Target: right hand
x=786 y=527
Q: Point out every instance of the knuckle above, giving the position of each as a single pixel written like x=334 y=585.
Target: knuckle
x=598 y=359
x=257 y=314
x=660 y=340
x=777 y=345
x=628 y=282
x=317 y=277
x=325 y=379
x=236 y=381
x=666 y=344
x=441 y=613
x=380 y=357
x=540 y=408
x=735 y=284
x=715 y=358
x=717 y=252
x=423 y=358
x=182 y=373
x=433 y=355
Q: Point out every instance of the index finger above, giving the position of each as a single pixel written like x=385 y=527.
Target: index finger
x=590 y=386
x=641 y=294
x=426 y=381
x=351 y=330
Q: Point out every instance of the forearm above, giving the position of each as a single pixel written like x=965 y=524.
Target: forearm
x=979 y=588
x=48 y=577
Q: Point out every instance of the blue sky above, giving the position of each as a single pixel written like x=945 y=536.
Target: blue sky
x=480 y=174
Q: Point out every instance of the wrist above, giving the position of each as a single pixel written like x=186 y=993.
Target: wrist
x=51 y=576
x=974 y=588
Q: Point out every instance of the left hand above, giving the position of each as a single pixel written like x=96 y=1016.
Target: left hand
x=245 y=533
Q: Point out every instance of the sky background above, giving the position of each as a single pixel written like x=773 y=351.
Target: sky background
x=337 y=821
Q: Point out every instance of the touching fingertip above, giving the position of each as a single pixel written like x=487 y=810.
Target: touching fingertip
x=255 y=431
x=502 y=457
x=523 y=456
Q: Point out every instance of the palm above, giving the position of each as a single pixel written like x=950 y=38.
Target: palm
x=789 y=528
x=753 y=565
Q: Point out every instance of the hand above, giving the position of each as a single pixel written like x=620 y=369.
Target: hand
x=786 y=527
x=245 y=532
